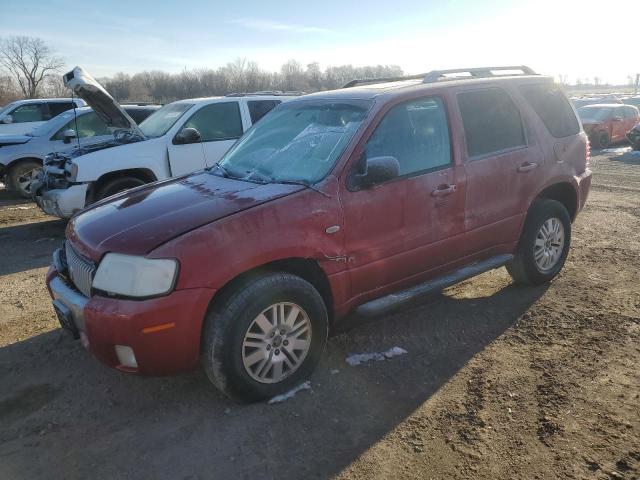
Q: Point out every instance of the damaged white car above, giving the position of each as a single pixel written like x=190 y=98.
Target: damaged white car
x=179 y=138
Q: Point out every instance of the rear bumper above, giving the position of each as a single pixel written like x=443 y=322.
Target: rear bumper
x=164 y=332
x=584 y=185
x=63 y=203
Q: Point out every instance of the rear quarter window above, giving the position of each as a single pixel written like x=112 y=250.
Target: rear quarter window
x=553 y=108
x=492 y=122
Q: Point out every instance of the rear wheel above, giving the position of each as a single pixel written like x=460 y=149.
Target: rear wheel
x=265 y=337
x=118 y=185
x=601 y=140
x=20 y=176
x=544 y=243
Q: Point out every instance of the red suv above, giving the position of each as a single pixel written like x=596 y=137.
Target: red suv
x=606 y=124
x=360 y=199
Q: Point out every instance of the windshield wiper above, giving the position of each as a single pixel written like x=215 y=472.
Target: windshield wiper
x=304 y=184
x=224 y=170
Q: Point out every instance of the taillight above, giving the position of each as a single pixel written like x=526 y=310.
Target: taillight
x=587 y=152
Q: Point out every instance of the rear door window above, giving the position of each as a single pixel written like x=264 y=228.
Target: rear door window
x=217 y=121
x=630 y=112
x=416 y=133
x=553 y=108
x=29 y=112
x=492 y=122
x=259 y=108
x=56 y=108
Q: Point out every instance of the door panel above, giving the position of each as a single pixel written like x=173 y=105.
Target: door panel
x=503 y=166
x=393 y=231
x=219 y=124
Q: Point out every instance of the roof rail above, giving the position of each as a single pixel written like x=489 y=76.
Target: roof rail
x=276 y=93
x=369 y=81
x=440 y=75
x=481 y=72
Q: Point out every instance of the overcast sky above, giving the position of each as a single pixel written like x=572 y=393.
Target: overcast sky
x=578 y=38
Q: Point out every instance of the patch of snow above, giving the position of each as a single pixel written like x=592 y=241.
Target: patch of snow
x=358 y=358
x=616 y=150
x=334 y=372
x=291 y=393
x=21 y=207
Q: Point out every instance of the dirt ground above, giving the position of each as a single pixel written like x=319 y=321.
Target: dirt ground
x=499 y=381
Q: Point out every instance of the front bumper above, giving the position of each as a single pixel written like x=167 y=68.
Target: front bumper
x=62 y=203
x=163 y=332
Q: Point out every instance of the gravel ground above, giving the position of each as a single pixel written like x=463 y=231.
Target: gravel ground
x=499 y=381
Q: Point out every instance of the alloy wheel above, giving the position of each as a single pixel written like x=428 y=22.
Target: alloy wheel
x=276 y=342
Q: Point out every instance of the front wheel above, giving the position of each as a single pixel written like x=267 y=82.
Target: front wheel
x=21 y=175
x=544 y=244
x=264 y=337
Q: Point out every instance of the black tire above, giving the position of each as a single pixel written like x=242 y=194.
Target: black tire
x=17 y=174
x=231 y=317
x=636 y=145
x=523 y=269
x=601 y=140
x=118 y=185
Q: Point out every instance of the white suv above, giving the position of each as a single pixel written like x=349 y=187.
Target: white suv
x=180 y=138
x=22 y=116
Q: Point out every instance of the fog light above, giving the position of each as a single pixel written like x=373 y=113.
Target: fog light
x=126 y=357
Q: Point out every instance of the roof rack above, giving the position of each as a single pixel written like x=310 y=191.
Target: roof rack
x=441 y=75
x=276 y=93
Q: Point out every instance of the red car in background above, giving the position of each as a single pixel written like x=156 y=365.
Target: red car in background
x=608 y=123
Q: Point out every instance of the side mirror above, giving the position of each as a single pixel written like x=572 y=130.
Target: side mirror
x=68 y=135
x=377 y=170
x=7 y=119
x=186 y=136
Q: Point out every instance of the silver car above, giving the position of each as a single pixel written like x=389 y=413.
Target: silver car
x=21 y=156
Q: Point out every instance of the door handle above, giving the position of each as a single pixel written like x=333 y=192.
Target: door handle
x=527 y=166
x=442 y=190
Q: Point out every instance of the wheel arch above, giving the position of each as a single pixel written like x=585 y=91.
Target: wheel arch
x=306 y=268
x=563 y=192
x=145 y=174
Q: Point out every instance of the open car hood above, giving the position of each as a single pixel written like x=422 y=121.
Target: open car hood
x=105 y=106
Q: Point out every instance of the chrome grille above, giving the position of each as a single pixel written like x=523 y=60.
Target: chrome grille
x=80 y=270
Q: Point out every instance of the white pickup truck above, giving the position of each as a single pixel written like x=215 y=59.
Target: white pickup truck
x=179 y=138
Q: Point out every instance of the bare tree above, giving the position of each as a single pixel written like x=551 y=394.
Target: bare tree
x=29 y=61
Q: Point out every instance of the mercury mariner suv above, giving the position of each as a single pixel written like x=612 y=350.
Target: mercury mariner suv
x=358 y=200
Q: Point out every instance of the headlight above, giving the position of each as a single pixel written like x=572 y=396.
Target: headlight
x=73 y=172
x=134 y=276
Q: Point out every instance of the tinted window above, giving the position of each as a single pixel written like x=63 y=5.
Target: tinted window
x=553 y=108
x=29 y=112
x=56 y=108
x=218 y=121
x=415 y=133
x=491 y=121
x=630 y=112
x=88 y=125
x=259 y=108
x=139 y=114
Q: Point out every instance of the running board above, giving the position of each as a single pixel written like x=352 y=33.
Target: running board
x=392 y=301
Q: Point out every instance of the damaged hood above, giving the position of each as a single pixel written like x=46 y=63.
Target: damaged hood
x=137 y=221
x=105 y=106
x=14 y=139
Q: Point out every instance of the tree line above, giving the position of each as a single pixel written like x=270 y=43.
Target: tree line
x=29 y=68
